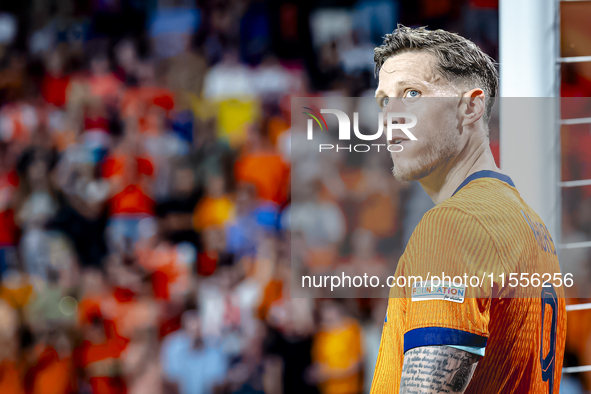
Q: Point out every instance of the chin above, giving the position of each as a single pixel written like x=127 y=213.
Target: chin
x=404 y=176
x=408 y=173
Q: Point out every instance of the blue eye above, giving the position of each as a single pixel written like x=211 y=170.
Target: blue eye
x=385 y=101
x=413 y=93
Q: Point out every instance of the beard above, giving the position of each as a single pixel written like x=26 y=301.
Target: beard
x=432 y=156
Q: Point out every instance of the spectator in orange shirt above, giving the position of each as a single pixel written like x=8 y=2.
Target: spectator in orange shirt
x=336 y=351
x=53 y=372
x=102 y=82
x=264 y=168
x=216 y=208
x=131 y=209
x=99 y=357
x=170 y=266
x=55 y=83
x=10 y=378
x=136 y=102
x=10 y=382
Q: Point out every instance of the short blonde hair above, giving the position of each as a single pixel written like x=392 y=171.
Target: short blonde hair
x=458 y=59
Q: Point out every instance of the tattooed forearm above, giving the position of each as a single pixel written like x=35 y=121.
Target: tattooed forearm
x=437 y=369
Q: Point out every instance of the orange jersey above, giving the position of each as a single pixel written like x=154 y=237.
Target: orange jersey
x=484 y=228
x=338 y=349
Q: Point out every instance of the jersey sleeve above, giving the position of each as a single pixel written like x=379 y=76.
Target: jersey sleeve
x=448 y=261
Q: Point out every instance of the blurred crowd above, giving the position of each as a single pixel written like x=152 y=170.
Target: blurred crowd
x=146 y=214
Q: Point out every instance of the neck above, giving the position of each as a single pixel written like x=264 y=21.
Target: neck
x=443 y=181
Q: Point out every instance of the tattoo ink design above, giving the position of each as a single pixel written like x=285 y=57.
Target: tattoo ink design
x=437 y=369
x=461 y=378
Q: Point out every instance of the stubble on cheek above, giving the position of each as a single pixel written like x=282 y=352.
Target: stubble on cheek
x=428 y=157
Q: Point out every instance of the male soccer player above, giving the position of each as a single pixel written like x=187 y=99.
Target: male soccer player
x=490 y=339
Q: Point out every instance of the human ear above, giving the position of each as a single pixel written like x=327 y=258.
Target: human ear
x=473 y=106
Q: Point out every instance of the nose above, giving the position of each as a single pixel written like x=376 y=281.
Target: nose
x=394 y=118
x=397 y=107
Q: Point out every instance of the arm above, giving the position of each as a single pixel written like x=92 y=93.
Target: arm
x=437 y=369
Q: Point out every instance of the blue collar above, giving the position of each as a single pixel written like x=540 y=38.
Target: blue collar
x=485 y=174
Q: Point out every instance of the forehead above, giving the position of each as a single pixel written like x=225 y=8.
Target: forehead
x=417 y=67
